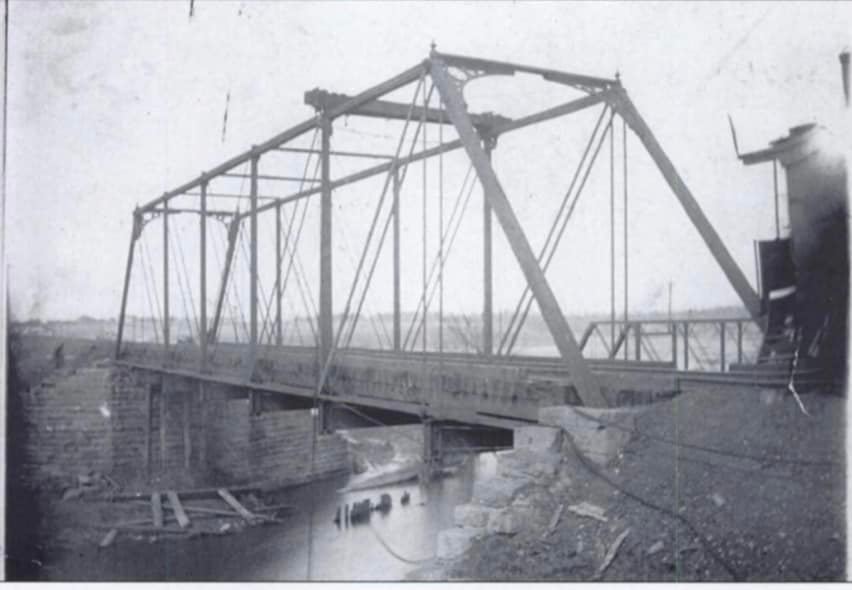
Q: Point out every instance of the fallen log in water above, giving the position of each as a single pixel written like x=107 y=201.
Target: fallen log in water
x=400 y=475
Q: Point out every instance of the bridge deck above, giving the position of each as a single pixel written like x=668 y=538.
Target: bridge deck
x=498 y=391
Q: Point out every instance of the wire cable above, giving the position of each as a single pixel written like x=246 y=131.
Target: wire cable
x=714 y=553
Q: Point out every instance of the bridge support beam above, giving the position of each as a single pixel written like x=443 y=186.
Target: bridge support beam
x=325 y=420
x=432 y=455
x=587 y=387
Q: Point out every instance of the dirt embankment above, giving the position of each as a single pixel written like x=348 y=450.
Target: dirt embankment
x=715 y=485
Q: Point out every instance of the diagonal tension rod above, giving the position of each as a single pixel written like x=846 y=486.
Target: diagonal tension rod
x=519 y=316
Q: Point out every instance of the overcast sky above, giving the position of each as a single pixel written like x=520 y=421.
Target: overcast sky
x=111 y=103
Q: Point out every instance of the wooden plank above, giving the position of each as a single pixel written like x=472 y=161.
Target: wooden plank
x=157 y=509
x=235 y=504
x=180 y=514
x=192 y=494
x=140 y=529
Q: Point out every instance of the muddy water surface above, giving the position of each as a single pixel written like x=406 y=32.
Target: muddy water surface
x=279 y=552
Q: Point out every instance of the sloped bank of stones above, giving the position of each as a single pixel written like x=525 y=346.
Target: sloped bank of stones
x=534 y=477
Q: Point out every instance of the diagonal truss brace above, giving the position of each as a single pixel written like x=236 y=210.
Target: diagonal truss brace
x=233 y=232
x=586 y=384
x=624 y=106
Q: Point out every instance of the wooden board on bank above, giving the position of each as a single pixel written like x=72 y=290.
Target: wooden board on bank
x=180 y=513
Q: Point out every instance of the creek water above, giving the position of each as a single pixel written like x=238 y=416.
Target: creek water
x=279 y=552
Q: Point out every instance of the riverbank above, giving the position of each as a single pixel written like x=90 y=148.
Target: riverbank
x=714 y=485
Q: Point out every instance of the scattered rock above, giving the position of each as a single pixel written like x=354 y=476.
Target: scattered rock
x=498 y=491
x=525 y=462
x=599 y=434
x=771 y=396
x=655 y=548
x=472 y=515
x=504 y=522
x=545 y=439
x=454 y=542
x=717 y=498
x=589 y=510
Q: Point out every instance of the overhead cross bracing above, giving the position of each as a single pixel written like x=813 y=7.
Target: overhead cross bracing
x=437 y=108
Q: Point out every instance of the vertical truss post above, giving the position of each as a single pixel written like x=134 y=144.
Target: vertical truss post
x=586 y=384
x=487 y=278
x=202 y=228
x=722 y=355
x=325 y=320
x=624 y=154
x=775 y=192
x=637 y=334
x=673 y=327
x=740 y=342
x=397 y=324
x=279 y=321
x=253 y=265
x=135 y=232
x=624 y=106
x=685 y=346
x=166 y=279
x=612 y=235
x=233 y=232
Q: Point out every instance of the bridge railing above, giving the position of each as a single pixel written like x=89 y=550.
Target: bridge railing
x=703 y=344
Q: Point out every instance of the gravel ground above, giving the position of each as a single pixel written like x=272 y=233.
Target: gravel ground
x=744 y=487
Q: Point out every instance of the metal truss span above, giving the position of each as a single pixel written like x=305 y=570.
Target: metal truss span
x=476 y=139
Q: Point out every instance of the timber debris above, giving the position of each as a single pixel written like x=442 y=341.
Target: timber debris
x=221 y=513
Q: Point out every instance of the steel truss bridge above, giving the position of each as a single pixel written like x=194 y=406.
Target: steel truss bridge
x=489 y=385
